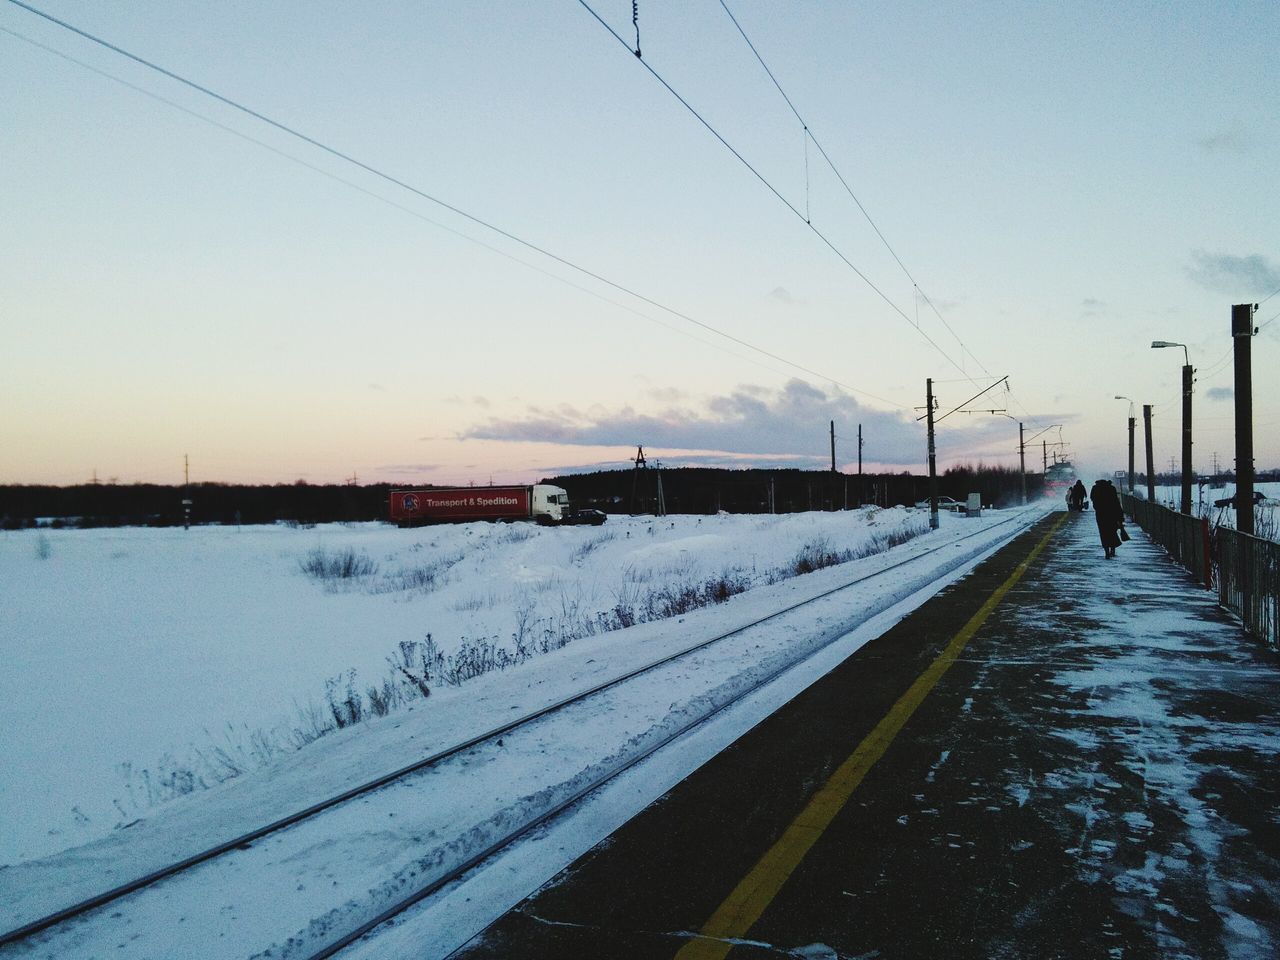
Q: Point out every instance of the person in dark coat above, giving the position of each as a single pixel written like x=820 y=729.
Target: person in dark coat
x=1108 y=515
x=1075 y=497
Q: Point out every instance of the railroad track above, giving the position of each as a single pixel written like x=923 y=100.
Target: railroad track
x=32 y=933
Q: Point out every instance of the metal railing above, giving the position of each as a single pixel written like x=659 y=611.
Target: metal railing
x=1248 y=571
x=1244 y=568
x=1184 y=537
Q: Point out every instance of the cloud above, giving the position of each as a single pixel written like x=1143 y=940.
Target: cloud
x=723 y=460
x=1219 y=393
x=749 y=426
x=1229 y=141
x=668 y=394
x=782 y=295
x=406 y=468
x=1249 y=276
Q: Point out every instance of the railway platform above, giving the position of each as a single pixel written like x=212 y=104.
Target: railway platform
x=1058 y=756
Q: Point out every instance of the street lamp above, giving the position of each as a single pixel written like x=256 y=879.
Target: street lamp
x=1131 y=425
x=1187 y=373
x=1157 y=344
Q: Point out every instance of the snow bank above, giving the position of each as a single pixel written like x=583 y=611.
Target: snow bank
x=143 y=662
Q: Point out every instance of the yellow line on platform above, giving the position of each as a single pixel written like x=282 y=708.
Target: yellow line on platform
x=749 y=899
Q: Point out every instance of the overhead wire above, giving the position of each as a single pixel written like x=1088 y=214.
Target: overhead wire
x=416 y=191
x=417 y=214
x=848 y=189
x=769 y=186
x=918 y=291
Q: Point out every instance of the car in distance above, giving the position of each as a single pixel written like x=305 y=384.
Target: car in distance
x=945 y=503
x=585 y=515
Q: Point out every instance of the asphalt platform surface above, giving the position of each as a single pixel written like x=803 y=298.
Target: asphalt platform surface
x=1096 y=773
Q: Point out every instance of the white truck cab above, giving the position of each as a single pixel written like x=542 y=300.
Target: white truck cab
x=549 y=503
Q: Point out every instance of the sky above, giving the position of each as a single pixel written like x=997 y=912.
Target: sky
x=1032 y=191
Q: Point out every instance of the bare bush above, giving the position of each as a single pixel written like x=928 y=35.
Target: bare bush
x=346 y=704
x=420 y=577
x=344 y=565
x=589 y=546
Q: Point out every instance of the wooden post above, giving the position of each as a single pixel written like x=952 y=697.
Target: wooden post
x=933 y=457
x=1131 y=425
x=1151 y=462
x=1022 y=464
x=1187 y=376
x=1242 y=338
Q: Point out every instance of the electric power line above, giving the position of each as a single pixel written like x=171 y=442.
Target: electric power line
x=844 y=183
x=374 y=171
x=769 y=186
x=401 y=207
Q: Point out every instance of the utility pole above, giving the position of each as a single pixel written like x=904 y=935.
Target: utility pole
x=186 y=491
x=1022 y=463
x=833 y=446
x=1151 y=463
x=1131 y=426
x=1188 y=375
x=861 y=498
x=662 y=502
x=1242 y=333
x=933 y=456
x=641 y=464
x=1044 y=454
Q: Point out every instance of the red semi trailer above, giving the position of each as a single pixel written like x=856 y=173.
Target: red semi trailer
x=540 y=502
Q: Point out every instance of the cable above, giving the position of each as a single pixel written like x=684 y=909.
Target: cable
x=398 y=206
x=843 y=182
x=839 y=176
x=368 y=168
x=769 y=186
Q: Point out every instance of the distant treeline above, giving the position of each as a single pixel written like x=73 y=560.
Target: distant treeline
x=685 y=490
x=148 y=504
x=707 y=490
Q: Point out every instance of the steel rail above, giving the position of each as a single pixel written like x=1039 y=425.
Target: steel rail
x=132 y=886
x=461 y=869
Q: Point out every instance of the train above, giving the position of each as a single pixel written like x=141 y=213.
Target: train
x=1059 y=477
x=540 y=502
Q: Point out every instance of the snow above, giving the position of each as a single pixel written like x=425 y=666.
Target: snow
x=1141 y=663
x=157 y=648
x=197 y=628
x=1203 y=497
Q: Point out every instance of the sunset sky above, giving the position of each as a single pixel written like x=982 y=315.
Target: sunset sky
x=1064 y=182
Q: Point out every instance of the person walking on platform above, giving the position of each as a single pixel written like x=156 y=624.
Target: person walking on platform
x=1075 y=497
x=1108 y=515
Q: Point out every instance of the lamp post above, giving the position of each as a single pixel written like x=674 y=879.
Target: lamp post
x=1131 y=425
x=1187 y=373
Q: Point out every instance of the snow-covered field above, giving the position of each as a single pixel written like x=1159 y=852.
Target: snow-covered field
x=140 y=660
x=332 y=873
x=1203 y=496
